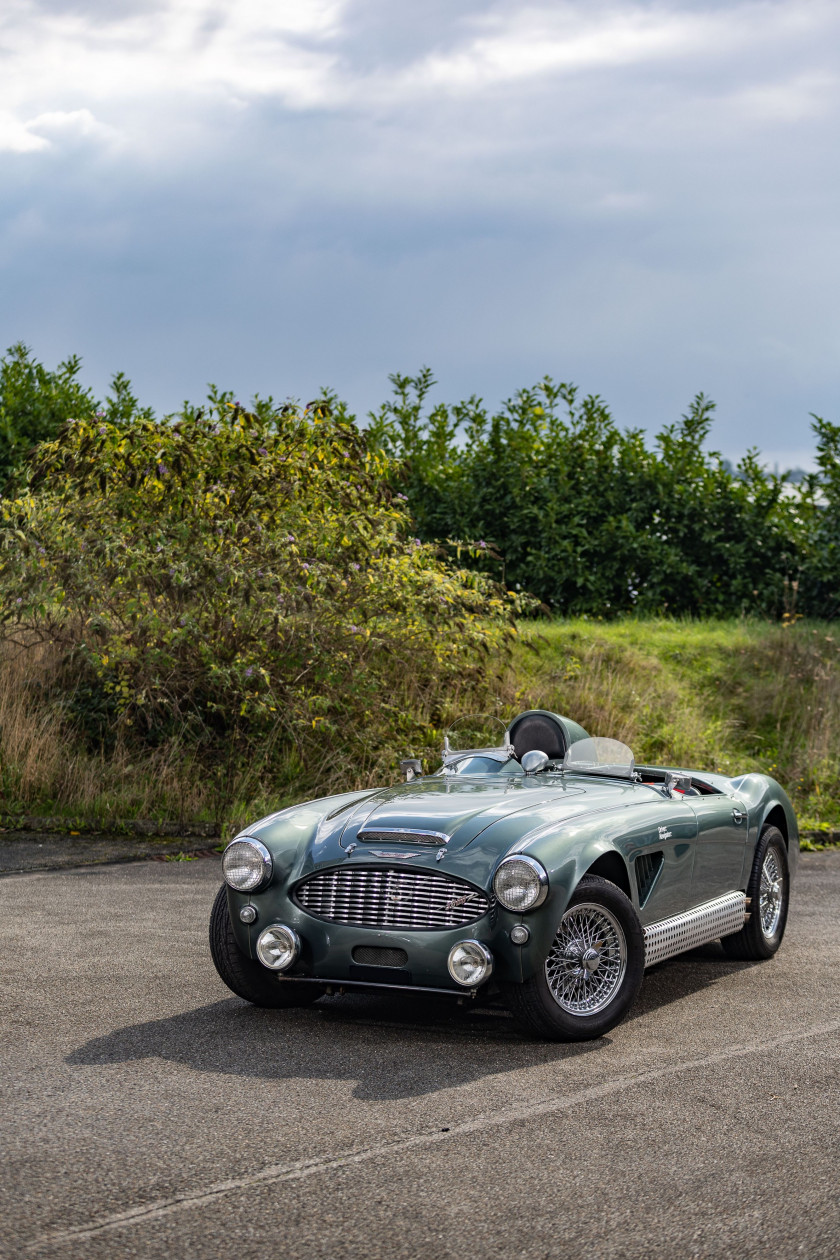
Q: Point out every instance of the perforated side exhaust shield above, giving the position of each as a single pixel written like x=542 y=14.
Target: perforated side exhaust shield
x=704 y=923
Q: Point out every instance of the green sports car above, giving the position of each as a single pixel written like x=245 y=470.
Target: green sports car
x=537 y=864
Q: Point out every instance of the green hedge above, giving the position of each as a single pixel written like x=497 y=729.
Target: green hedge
x=592 y=518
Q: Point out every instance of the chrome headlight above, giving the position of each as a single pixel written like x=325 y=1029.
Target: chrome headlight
x=278 y=946
x=469 y=963
x=246 y=865
x=520 y=883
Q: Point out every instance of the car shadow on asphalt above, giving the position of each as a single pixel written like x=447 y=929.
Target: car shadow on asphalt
x=393 y=1046
x=684 y=975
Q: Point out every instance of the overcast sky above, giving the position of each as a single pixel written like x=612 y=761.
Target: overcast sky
x=282 y=194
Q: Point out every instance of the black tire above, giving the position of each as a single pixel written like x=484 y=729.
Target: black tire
x=245 y=977
x=533 y=1002
x=762 y=933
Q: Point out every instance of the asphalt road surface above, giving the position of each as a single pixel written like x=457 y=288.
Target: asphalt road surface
x=146 y=1112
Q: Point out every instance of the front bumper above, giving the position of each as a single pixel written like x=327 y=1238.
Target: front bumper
x=327 y=948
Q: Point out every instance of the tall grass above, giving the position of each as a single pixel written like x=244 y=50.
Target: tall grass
x=49 y=767
x=731 y=696
x=727 y=695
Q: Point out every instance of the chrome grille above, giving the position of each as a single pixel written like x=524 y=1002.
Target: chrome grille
x=381 y=897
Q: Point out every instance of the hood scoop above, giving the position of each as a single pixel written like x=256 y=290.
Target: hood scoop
x=404 y=835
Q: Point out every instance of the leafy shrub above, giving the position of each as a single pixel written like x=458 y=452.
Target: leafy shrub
x=36 y=403
x=242 y=582
x=592 y=519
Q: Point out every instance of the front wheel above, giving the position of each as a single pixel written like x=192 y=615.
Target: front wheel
x=769 y=893
x=593 y=971
x=245 y=977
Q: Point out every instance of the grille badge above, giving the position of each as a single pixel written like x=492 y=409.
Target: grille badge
x=394 y=853
x=460 y=901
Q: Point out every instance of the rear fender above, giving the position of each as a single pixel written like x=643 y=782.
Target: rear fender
x=767 y=805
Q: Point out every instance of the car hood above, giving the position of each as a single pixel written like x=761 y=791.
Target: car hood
x=456 y=810
x=483 y=818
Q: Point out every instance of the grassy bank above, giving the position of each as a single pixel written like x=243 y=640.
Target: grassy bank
x=726 y=695
x=732 y=696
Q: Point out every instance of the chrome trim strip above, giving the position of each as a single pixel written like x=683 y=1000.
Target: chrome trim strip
x=375 y=984
x=707 y=922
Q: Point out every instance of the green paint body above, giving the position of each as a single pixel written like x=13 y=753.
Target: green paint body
x=568 y=822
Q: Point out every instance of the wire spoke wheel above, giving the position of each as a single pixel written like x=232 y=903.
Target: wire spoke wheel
x=588 y=959
x=771 y=893
x=768 y=890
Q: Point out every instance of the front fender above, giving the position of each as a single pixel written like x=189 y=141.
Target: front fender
x=564 y=875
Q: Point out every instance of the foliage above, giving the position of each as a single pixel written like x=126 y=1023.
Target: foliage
x=591 y=518
x=35 y=403
x=227 y=609
x=243 y=584
x=728 y=695
x=819 y=502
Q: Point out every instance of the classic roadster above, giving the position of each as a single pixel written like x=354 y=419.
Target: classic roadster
x=537 y=864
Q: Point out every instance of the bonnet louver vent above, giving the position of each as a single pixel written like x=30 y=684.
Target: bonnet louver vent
x=402 y=835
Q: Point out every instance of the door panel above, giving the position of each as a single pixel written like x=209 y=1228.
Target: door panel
x=721 y=841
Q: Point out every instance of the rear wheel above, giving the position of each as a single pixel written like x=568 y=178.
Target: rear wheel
x=245 y=977
x=769 y=894
x=593 y=970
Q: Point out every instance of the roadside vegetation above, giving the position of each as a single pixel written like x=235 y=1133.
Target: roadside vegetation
x=592 y=518
x=195 y=609
x=210 y=615
x=732 y=696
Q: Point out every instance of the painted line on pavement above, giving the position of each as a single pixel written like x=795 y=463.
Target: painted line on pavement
x=301 y=1169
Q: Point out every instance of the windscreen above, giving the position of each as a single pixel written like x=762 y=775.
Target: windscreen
x=599 y=756
x=476 y=731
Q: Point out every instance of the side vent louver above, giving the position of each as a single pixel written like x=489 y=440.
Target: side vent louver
x=648 y=866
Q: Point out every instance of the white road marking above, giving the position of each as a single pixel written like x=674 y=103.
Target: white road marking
x=300 y=1169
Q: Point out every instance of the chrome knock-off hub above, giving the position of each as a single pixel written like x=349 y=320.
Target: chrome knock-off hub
x=586 y=964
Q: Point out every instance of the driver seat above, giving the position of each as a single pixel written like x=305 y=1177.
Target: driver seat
x=540 y=731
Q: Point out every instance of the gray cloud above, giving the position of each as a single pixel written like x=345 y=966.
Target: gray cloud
x=638 y=197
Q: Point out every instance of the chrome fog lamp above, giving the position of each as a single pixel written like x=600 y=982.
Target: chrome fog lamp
x=246 y=865
x=469 y=963
x=520 y=884
x=278 y=946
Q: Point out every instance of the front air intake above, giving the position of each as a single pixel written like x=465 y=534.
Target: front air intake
x=375 y=956
x=380 y=897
